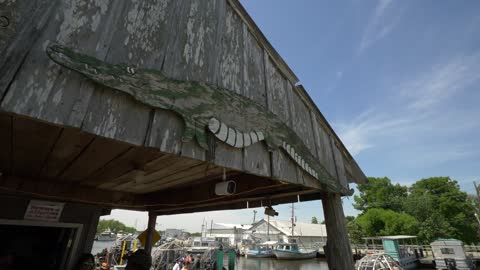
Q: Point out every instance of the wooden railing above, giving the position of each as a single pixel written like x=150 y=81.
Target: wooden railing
x=422 y=250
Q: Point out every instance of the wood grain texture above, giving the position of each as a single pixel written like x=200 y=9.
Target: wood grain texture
x=231 y=59
x=283 y=167
x=277 y=98
x=26 y=20
x=142 y=32
x=166 y=132
x=32 y=143
x=338 y=245
x=323 y=146
x=191 y=53
x=133 y=159
x=256 y=160
x=116 y=115
x=46 y=91
x=100 y=152
x=340 y=165
x=301 y=122
x=6 y=137
x=253 y=69
x=69 y=145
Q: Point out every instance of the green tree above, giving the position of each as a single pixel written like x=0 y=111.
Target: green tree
x=377 y=222
x=442 y=209
x=314 y=220
x=114 y=226
x=355 y=233
x=380 y=193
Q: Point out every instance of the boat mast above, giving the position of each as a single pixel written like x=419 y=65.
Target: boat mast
x=268 y=228
x=293 y=225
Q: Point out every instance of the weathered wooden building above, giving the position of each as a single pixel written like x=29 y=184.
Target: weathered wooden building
x=127 y=104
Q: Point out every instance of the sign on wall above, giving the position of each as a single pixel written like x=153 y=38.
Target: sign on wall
x=44 y=211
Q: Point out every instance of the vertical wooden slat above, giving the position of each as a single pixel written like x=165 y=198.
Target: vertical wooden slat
x=253 y=69
x=324 y=149
x=276 y=91
x=340 y=166
x=301 y=122
x=338 y=251
x=191 y=53
x=25 y=20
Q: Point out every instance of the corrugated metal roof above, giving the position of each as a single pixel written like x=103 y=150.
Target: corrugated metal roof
x=231 y=226
x=301 y=229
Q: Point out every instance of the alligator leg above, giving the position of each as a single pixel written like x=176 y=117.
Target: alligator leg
x=201 y=135
x=189 y=131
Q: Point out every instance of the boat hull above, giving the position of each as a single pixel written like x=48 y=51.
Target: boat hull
x=260 y=255
x=289 y=255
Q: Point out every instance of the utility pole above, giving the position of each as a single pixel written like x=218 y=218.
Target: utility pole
x=293 y=224
x=268 y=228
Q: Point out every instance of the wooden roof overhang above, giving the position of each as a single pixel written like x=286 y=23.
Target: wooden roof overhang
x=47 y=161
x=69 y=135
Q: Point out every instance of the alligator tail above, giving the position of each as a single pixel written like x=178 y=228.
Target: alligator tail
x=299 y=159
x=234 y=137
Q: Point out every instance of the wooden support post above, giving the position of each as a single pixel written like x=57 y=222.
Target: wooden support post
x=152 y=219
x=338 y=250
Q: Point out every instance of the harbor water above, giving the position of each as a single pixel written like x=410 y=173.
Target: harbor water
x=243 y=263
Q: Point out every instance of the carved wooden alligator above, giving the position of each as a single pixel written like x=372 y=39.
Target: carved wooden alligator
x=202 y=107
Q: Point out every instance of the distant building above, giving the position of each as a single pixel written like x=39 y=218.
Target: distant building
x=310 y=235
x=228 y=234
x=173 y=233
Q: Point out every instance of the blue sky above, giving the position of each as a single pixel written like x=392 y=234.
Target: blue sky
x=397 y=80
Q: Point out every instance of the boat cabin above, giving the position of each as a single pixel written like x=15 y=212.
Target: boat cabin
x=400 y=247
x=450 y=254
x=287 y=247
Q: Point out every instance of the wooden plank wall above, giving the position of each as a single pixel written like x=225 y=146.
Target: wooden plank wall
x=188 y=40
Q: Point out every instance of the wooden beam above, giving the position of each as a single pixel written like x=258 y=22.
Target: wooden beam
x=152 y=219
x=252 y=202
x=67 y=192
x=338 y=244
x=6 y=126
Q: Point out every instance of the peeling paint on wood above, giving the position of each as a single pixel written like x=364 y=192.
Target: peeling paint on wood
x=196 y=103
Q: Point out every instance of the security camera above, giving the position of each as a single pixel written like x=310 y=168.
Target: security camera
x=269 y=211
x=225 y=188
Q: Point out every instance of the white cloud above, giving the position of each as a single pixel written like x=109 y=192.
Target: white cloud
x=379 y=25
x=442 y=82
x=189 y=222
x=426 y=125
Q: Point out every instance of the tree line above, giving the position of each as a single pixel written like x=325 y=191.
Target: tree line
x=114 y=226
x=431 y=208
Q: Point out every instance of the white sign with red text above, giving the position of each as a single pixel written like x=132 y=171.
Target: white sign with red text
x=44 y=211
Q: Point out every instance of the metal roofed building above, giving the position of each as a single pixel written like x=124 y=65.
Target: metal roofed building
x=228 y=234
x=308 y=234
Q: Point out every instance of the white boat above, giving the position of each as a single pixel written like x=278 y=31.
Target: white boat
x=202 y=244
x=449 y=254
x=106 y=236
x=405 y=255
x=263 y=250
x=291 y=251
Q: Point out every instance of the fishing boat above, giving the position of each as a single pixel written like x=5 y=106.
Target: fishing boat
x=450 y=254
x=202 y=244
x=291 y=251
x=106 y=236
x=263 y=250
x=406 y=256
